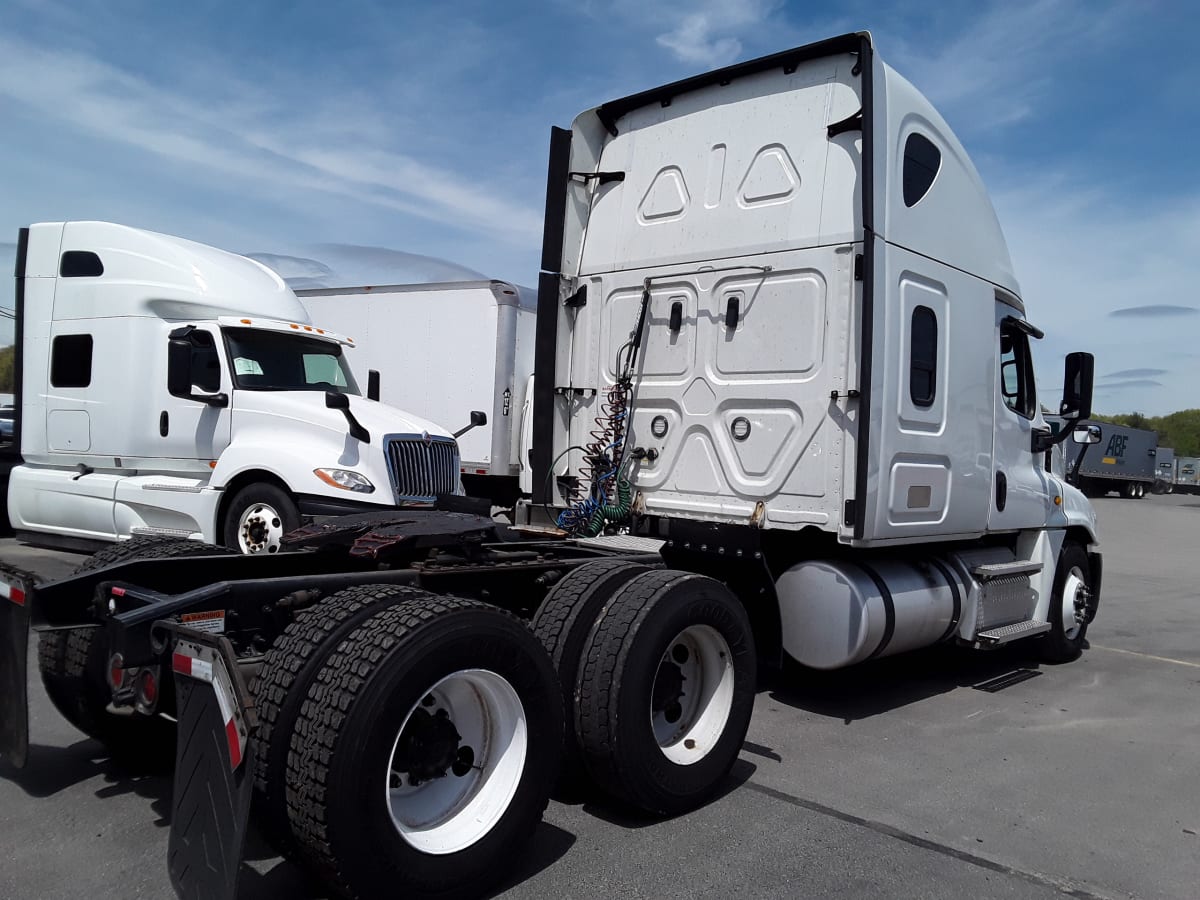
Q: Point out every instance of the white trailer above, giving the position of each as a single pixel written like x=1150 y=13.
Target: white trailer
x=463 y=346
x=169 y=388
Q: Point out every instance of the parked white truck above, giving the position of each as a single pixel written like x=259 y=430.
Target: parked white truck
x=468 y=345
x=169 y=388
x=780 y=344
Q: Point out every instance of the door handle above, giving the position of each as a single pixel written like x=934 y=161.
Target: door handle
x=733 y=308
x=1001 y=491
x=164 y=423
x=676 y=316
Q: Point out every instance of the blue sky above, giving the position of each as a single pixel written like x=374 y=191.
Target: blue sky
x=373 y=141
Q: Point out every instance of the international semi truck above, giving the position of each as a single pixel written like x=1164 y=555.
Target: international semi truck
x=169 y=388
x=784 y=407
x=468 y=345
x=1125 y=461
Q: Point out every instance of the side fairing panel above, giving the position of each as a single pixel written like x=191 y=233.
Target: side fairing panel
x=932 y=460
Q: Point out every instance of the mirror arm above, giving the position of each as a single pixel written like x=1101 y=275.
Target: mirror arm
x=356 y=430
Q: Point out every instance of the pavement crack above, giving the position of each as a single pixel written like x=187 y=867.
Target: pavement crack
x=1064 y=887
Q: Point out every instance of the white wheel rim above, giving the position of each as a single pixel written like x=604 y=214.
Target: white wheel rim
x=449 y=812
x=692 y=694
x=260 y=529
x=1070 y=612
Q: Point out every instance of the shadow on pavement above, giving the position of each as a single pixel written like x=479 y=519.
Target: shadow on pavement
x=872 y=688
x=623 y=816
x=52 y=770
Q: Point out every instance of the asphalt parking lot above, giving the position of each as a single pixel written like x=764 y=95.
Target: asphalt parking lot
x=943 y=773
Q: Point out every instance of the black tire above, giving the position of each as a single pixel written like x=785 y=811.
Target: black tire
x=615 y=692
x=1129 y=490
x=563 y=623
x=1056 y=646
x=279 y=515
x=282 y=685
x=73 y=662
x=342 y=747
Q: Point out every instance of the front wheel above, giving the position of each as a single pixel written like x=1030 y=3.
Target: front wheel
x=1070 y=604
x=258 y=517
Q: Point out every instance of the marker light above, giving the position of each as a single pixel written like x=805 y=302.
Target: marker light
x=345 y=479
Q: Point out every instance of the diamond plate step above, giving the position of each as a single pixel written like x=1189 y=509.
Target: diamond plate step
x=622 y=542
x=993 y=637
x=989 y=571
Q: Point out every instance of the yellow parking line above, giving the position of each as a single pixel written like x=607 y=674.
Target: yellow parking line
x=1166 y=659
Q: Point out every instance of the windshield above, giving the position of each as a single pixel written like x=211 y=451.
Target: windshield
x=271 y=361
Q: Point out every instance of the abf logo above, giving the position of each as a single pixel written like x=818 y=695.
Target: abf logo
x=1116 y=445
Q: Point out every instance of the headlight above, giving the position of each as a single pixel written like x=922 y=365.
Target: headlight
x=345 y=479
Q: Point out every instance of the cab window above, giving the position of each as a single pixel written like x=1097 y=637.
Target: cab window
x=1016 y=372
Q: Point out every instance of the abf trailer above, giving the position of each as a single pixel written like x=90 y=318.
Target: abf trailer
x=779 y=334
x=1124 y=461
x=169 y=388
x=467 y=345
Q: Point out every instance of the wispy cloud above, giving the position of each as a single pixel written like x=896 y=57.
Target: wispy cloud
x=236 y=130
x=1137 y=373
x=708 y=36
x=1140 y=383
x=1155 y=311
x=996 y=68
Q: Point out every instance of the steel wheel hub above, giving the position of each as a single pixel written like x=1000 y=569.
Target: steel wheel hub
x=1074 y=604
x=692 y=694
x=457 y=761
x=260 y=530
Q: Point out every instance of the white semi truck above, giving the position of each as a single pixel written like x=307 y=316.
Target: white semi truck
x=468 y=345
x=783 y=377
x=169 y=388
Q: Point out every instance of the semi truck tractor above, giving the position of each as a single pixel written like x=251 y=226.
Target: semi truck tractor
x=169 y=388
x=468 y=345
x=1164 y=470
x=1126 y=462
x=784 y=407
x=1187 y=474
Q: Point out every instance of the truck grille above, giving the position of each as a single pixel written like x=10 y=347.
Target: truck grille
x=422 y=469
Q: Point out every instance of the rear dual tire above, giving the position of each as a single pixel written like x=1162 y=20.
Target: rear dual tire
x=665 y=691
x=385 y=797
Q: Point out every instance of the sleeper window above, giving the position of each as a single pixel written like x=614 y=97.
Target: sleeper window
x=921 y=163
x=71 y=361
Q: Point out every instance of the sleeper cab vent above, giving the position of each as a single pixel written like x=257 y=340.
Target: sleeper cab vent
x=80 y=264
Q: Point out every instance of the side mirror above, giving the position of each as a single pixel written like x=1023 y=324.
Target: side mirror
x=1086 y=434
x=478 y=417
x=336 y=400
x=1077 y=386
x=373 y=384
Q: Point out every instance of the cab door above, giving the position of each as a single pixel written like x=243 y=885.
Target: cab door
x=188 y=434
x=1020 y=485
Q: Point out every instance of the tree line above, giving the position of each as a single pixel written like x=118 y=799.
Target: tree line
x=7 y=359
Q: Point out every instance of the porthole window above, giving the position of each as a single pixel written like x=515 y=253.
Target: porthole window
x=921 y=163
x=922 y=364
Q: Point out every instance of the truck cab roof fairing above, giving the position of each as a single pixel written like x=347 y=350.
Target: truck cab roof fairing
x=174 y=278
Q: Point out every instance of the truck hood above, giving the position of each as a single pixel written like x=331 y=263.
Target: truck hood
x=309 y=407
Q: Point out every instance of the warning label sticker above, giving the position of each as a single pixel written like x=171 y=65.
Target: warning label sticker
x=212 y=621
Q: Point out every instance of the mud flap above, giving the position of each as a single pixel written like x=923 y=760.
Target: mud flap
x=16 y=600
x=214 y=764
